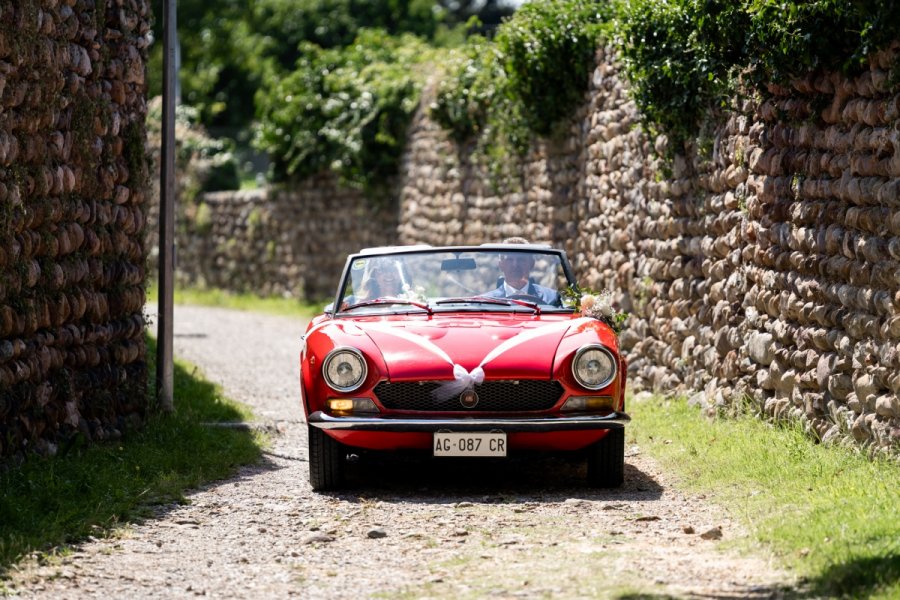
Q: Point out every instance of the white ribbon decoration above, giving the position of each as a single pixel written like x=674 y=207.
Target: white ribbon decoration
x=527 y=336
x=462 y=380
x=418 y=340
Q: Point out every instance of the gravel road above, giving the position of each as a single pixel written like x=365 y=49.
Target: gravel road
x=408 y=528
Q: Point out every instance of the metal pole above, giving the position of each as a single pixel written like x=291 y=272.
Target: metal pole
x=165 y=368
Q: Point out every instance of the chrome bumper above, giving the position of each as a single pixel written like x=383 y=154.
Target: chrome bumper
x=614 y=420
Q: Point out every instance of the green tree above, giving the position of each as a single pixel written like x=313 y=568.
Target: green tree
x=344 y=109
x=228 y=50
x=490 y=13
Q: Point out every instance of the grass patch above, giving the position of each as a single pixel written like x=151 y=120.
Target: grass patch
x=249 y=182
x=828 y=512
x=47 y=503
x=289 y=307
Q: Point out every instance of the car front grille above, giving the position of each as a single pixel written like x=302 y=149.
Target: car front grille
x=493 y=396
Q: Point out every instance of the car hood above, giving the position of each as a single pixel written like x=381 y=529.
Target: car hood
x=501 y=347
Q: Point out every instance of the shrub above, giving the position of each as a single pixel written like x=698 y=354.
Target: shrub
x=202 y=163
x=535 y=72
x=228 y=48
x=548 y=50
x=344 y=110
x=682 y=58
x=474 y=104
x=531 y=77
x=787 y=39
x=474 y=84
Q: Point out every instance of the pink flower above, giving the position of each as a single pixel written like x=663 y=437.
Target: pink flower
x=587 y=302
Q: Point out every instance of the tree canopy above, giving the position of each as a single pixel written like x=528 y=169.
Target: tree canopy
x=228 y=49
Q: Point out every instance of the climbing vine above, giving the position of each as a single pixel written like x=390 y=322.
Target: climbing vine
x=682 y=58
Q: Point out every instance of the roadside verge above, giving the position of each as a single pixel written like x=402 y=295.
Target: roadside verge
x=827 y=512
x=87 y=491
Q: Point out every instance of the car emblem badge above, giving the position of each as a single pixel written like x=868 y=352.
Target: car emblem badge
x=469 y=399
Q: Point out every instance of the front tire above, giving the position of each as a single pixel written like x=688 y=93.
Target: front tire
x=606 y=460
x=326 y=461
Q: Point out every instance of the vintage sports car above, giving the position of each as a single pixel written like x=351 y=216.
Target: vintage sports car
x=468 y=351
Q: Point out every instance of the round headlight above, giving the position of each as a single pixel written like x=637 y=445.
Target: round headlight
x=594 y=367
x=344 y=369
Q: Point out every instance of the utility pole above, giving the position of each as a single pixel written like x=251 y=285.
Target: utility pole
x=165 y=366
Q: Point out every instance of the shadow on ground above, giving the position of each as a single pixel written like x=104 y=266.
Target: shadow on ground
x=526 y=478
x=857 y=578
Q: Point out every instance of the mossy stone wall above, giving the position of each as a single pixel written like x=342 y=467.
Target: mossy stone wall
x=289 y=242
x=763 y=267
x=73 y=185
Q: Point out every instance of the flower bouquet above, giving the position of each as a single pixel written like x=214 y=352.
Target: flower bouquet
x=597 y=305
x=415 y=294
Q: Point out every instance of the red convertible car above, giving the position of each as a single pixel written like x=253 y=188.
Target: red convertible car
x=465 y=351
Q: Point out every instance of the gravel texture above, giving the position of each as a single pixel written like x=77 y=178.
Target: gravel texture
x=408 y=527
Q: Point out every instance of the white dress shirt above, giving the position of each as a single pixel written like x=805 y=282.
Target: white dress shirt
x=511 y=291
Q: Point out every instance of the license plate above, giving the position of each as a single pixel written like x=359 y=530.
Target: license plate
x=469 y=444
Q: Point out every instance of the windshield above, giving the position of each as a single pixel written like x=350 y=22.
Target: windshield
x=528 y=279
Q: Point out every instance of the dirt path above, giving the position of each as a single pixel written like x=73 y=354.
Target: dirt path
x=508 y=529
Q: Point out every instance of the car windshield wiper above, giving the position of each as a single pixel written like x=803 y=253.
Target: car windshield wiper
x=489 y=300
x=475 y=300
x=391 y=300
x=532 y=305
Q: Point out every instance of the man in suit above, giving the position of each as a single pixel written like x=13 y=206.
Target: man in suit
x=516 y=268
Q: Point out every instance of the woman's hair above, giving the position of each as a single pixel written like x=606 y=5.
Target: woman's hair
x=515 y=240
x=369 y=286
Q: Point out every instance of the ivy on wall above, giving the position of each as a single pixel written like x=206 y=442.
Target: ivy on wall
x=547 y=52
x=786 y=39
x=681 y=56
x=684 y=56
x=524 y=82
x=346 y=109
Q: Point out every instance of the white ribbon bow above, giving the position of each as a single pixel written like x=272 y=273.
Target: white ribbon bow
x=462 y=380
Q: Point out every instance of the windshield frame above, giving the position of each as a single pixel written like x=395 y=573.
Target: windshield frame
x=412 y=250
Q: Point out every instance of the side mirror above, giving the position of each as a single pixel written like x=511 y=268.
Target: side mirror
x=329 y=308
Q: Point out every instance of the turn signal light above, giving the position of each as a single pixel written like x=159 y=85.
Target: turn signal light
x=589 y=404
x=347 y=406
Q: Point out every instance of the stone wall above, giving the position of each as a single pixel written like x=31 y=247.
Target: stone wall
x=289 y=242
x=764 y=267
x=72 y=190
